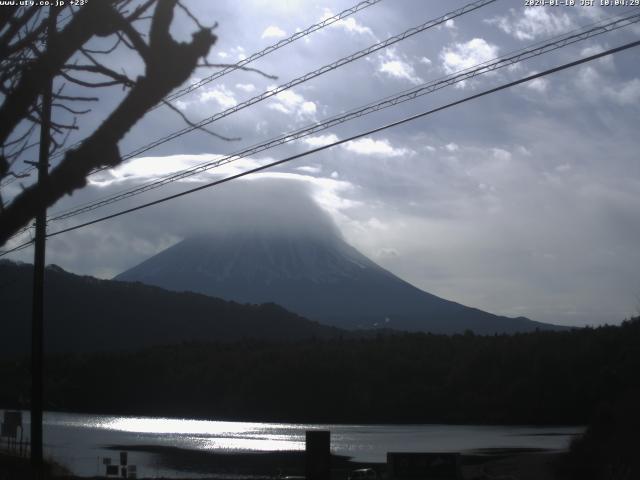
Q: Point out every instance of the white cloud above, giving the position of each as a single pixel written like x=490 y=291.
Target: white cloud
x=368 y=146
x=597 y=86
x=593 y=13
x=501 y=154
x=533 y=23
x=238 y=51
x=223 y=54
x=144 y=168
x=425 y=60
x=262 y=127
x=375 y=223
x=539 y=84
x=395 y=66
x=627 y=93
x=451 y=147
x=308 y=108
x=350 y=24
x=220 y=94
x=246 y=87
x=315 y=170
x=589 y=81
x=522 y=150
x=399 y=69
x=290 y=102
x=320 y=140
x=461 y=56
x=290 y=98
x=606 y=62
x=273 y=31
x=280 y=108
x=450 y=24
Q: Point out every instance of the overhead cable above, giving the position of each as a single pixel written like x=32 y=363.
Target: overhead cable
x=458 y=77
x=304 y=78
x=228 y=69
x=338 y=142
x=271 y=48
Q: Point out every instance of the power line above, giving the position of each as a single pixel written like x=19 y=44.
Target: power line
x=242 y=63
x=407 y=95
x=463 y=75
x=310 y=75
x=339 y=142
x=272 y=48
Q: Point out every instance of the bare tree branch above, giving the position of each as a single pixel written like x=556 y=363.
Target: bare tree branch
x=75 y=34
x=137 y=43
x=87 y=84
x=55 y=145
x=198 y=127
x=140 y=10
x=69 y=109
x=227 y=65
x=194 y=19
x=18 y=175
x=6 y=50
x=102 y=70
x=105 y=51
x=58 y=96
x=168 y=64
x=15 y=23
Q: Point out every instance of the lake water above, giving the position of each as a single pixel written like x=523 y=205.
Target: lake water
x=80 y=441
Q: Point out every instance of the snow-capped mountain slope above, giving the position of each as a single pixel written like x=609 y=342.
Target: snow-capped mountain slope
x=318 y=276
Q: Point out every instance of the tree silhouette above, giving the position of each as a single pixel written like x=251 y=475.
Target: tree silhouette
x=28 y=58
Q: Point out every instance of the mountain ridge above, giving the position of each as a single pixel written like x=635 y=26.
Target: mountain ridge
x=86 y=314
x=322 y=278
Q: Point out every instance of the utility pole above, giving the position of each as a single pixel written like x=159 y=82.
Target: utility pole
x=37 y=329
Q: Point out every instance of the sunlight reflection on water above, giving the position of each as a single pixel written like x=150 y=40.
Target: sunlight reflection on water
x=204 y=434
x=80 y=441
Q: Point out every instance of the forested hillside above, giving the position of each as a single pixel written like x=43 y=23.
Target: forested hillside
x=536 y=378
x=85 y=314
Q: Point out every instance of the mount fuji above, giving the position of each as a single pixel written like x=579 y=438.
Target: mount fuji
x=314 y=273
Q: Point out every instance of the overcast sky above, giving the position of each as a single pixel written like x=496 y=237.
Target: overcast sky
x=525 y=202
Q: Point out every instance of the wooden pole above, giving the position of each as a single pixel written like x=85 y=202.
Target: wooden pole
x=38 y=271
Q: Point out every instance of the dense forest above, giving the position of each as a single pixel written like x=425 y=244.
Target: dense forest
x=533 y=378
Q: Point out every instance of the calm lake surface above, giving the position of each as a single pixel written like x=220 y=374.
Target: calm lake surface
x=80 y=441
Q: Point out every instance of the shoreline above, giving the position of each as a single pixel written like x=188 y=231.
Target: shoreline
x=520 y=463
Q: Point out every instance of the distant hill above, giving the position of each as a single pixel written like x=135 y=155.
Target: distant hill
x=317 y=275
x=87 y=314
